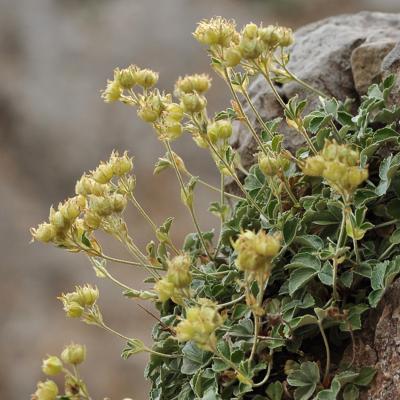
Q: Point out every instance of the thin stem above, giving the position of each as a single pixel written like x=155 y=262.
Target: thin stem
x=233 y=196
x=342 y=232
x=387 y=251
x=269 y=369
x=148 y=350
x=327 y=349
x=116 y=281
x=355 y=244
x=256 y=113
x=236 y=179
x=222 y=201
x=107 y=328
x=121 y=261
x=284 y=106
x=229 y=303
x=334 y=280
x=246 y=119
x=387 y=223
x=289 y=190
x=191 y=210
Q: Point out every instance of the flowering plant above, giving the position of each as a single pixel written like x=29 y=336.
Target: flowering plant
x=308 y=243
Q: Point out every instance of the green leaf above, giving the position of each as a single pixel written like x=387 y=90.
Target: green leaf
x=325 y=275
x=305 y=379
x=194 y=358
x=275 y=391
x=351 y=392
x=329 y=394
x=365 y=376
x=300 y=277
x=395 y=237
x=290 y=229
x=134 y=346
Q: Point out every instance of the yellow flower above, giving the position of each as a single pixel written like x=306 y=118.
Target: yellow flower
x=112 y=92
x=46 y=391
x=200 y=324
x=74 y=354
x=216 y=31
x=52 y=365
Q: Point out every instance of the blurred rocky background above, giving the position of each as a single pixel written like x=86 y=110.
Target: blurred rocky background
x=55 y=56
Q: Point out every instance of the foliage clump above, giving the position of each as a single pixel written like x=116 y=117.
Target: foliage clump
x=265 y=310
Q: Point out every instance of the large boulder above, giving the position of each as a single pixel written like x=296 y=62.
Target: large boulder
x=341 y=56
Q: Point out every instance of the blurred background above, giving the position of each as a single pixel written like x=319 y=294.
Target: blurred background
x=55 y=57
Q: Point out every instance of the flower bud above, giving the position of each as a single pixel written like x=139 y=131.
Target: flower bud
x=200 y=325
x=174 y=112
x=192 y=102
x=101 y=206
x=45 y=232
x=73 y=309
x=179 y=271
x=87 y=295
x=146 y=78
x=74 y=354
x=103 y=173
x=126 y=77
x=165 y=289
x=112 y=92
x=221 y=129
x=57 y=220
x=147 y=114
x=255 y=251
x=314 y=166
x=86 y=186
x=335 y=171
x=270 y=35
x=71 y=209
x=118 y=202
x=52 y=365
x=250 y=48
x=121 y=165
x=46 y=391
x=356 y=176
x=269 y=166
x=92 y=221
x=173 y=130
x=216 y=31
x=250 y=31
x=233 y=56
x=199 y=83
x=286 y=38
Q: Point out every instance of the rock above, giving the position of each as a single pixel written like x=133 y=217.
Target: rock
x=366 y=62
x=378 y=345
x=391 y=65
x=340 y=56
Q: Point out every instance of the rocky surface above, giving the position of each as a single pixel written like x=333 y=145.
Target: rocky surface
x=342 y=56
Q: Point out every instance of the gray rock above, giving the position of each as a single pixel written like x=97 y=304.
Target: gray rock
x=340 y=56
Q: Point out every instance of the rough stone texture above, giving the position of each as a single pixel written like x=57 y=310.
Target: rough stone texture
x=378 y=345
x=341 y=56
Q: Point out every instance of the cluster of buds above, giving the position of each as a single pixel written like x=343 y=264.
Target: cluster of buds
x=81 y=302
x=200 y=325
x=339 y=165
x=96 y=199
x=232 y=47
x=72 y=354
x=255 y=252
x=272 y=164
x=47 y=390
x=190 y=90
x=219 y=130
x=175 y=285
x=126 y=79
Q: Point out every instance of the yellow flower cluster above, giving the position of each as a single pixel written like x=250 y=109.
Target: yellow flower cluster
x=126 y=79
x=255 y=251
x=47 y=390
x=175 y=284
x=96 y=198
x=73 y=354
x=77 y=302
x=339 y=165
x=272 y=164
x=232 y=47
x=200 y=325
